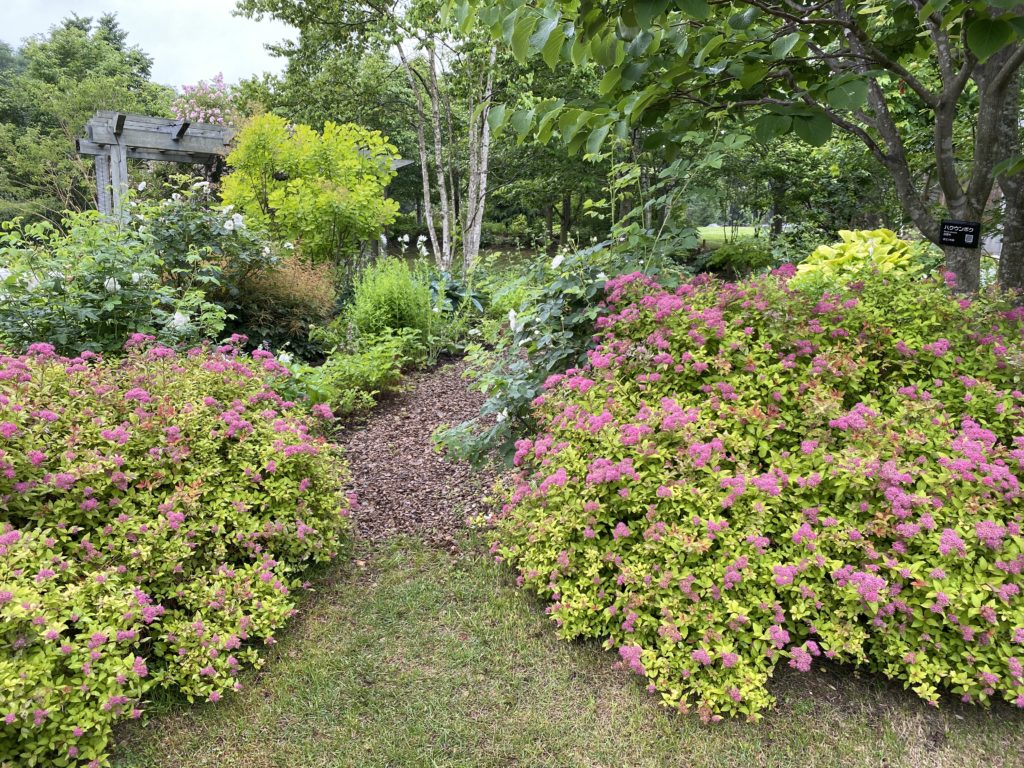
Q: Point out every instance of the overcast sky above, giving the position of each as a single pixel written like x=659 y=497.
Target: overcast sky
x=189 y=40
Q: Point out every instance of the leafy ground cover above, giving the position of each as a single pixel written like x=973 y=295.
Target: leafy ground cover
x=414 y=655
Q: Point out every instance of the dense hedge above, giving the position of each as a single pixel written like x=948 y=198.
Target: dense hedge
x=744 y=475
x=157 y=513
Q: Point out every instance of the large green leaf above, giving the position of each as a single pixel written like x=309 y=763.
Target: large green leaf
x=521 y=121
x=986 y=36
x=648 y=10
x=782 y=47
x=496 y=117
x=848 y=92
x=753 y=73
x=521 y=38
x=698 y=9
x=815 y=128
x=553 y=47
x=596 y=138
x=771 y=126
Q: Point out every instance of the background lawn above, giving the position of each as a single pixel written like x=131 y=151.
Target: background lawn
x=423 y=658
x=716 y=236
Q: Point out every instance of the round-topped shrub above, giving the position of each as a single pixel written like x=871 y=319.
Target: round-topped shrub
x=745 y=475
x=157 y=514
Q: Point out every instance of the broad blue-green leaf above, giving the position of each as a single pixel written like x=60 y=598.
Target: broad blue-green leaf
x=698 y=9
x=986 y=36
x=744 y=18
x=648 y=10
x=596 y=138
x=782 y=47
x=849 y=92
x=753 y=74
x=496 y=117
x=544 y=29
x=771 y=126
x=521 y=121
x=553 y=47
x=815 y=129
x=521 y=38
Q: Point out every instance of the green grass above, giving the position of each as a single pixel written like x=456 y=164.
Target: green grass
x=716 y=236
x=427 y=659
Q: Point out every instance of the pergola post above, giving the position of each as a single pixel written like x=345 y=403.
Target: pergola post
x=114 y=137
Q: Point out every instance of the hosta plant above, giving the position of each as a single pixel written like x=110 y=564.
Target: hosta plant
x=157 y=514
x=862 y=252
x=743 y=475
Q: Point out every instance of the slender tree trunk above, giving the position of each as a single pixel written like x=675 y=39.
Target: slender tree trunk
x=421 y=144
x=480 y=152
x=445 y=261
x=549 y=225
x=565 y=221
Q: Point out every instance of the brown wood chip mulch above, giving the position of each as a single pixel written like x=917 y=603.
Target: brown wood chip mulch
x=404 y=485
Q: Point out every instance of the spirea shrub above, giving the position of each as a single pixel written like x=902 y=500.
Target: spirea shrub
x=156 y=514
x=743 y=476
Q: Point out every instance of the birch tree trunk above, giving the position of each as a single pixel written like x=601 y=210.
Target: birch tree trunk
x=445 y=258
x=421 y=142
x=479 y=159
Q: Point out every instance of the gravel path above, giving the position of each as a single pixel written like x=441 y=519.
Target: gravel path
x=404 y=485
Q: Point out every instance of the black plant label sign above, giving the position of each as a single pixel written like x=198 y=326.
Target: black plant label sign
x=962 y=234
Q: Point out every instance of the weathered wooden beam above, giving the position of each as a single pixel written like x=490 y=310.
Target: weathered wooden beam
x=118 y=177
x=131 y=137
x=144 y=122
x=89 y=148
x=119 y=124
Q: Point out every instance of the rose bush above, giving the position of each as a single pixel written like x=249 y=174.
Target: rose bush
x=157 y=514
x=744 y=475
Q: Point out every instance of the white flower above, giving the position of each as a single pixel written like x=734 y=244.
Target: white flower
x=266 y=250
x=179 y=320
x=136 y=277
x=176 y=197
x=112 y=285
x=502 y=416
x=142 y=186
x=557 y=261
x=289 y=246
x=228 y=209
x=512 y=320
x=602 y=276
x=229 y=224
x=203 y=185
x=285 y=358
x=383 y=241
x=405 y=238
x=421 y=239
x=239 y=221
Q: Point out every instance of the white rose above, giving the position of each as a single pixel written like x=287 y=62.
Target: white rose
x=229 y=224
x=112 y=285
x=142 y=186
x=239 y=221
x=179 y=320
x=136 y=277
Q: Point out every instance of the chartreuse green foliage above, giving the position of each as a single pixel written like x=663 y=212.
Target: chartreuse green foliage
x=157 y=514
x=390 y=295
x=324 y=191
x=743 y=476
x=92 y=285
x=860 y=253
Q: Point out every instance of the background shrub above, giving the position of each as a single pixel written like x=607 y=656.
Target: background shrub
x=390 y=295
x=860 y=253
x=744 y=475
x=284 y=302
x=158 y=513
x=91 y=286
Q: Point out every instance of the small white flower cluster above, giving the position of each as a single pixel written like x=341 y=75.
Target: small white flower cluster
x=235 y=222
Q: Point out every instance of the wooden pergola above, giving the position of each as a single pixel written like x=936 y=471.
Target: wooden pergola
x=114 y=137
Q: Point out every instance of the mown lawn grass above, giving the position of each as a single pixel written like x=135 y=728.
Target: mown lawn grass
x=422 y=658
x=716 y=236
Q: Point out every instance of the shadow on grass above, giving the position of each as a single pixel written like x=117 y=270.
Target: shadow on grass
x=423 y=658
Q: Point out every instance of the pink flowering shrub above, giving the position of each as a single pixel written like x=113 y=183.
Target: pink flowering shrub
x=210 y=102
x=158 y=512
x=744 y=475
